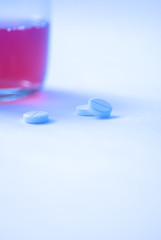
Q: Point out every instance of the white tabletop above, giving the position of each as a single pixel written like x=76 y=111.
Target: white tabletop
x=80 y=177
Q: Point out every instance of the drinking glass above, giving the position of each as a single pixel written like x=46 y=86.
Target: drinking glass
x=24 y=33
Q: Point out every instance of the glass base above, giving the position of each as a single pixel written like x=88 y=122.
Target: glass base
x=12 y=94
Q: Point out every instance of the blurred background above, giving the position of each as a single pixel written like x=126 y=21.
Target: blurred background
x=110 y=46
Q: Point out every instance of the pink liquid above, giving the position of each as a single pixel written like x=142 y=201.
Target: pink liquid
x=23 y=55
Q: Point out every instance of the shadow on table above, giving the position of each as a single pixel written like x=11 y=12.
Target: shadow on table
x=58 y=103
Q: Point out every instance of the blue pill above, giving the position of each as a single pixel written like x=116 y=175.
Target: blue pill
x=36 y=117
x=99 y=108
x=83 y=110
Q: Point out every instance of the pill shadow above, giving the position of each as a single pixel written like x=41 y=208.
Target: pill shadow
x=112 y=117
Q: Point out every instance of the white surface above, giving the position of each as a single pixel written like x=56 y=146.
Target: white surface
x=80 y=177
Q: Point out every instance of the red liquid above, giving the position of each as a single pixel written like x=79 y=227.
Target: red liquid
x=23 y=55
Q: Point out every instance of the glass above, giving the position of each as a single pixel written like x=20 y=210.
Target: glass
x=24 y=32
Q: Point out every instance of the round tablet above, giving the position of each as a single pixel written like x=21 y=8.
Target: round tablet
x=36 y=117
x=99 y=107
x=83 y=110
